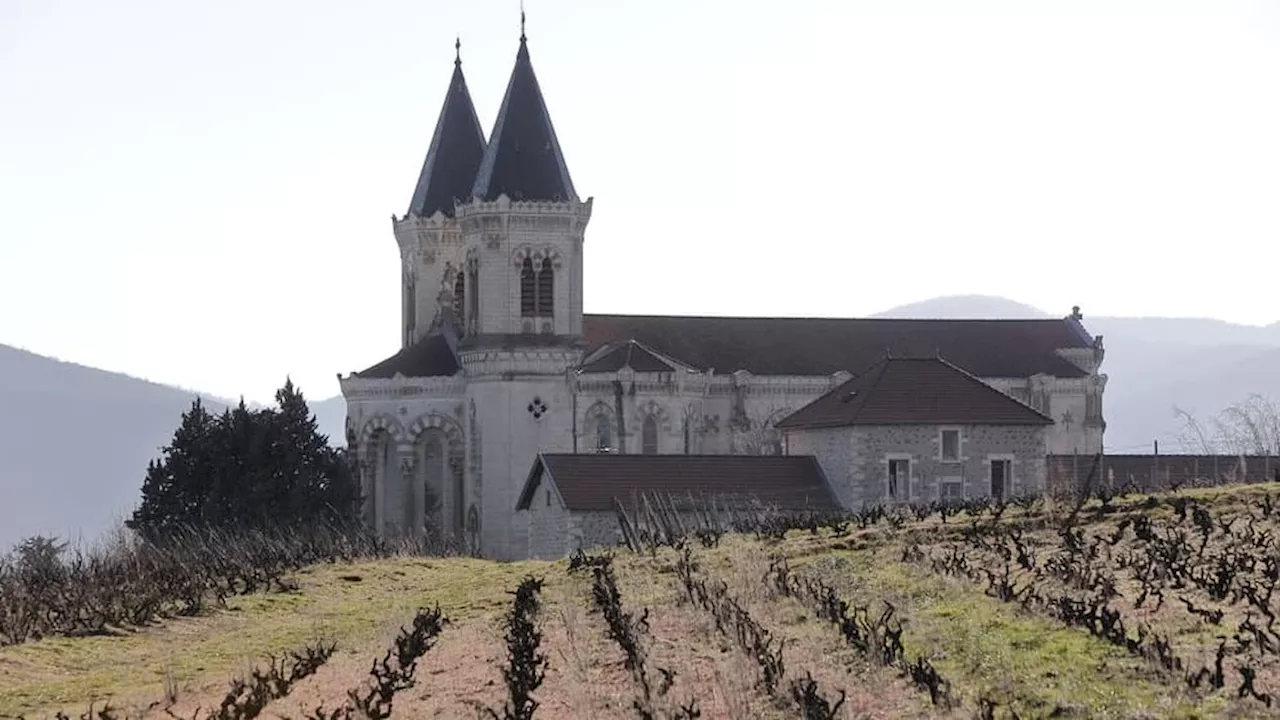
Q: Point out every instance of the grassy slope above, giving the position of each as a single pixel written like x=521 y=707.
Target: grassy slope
x=983 y=646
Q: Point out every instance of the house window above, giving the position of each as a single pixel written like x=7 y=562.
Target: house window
x=899 y=479
x=604 y=433
x=1001 y=478
x=950 y=445
x=649 y=436
x=548 y=498
x=950 y=489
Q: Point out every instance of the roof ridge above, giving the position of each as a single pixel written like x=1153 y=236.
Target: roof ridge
x=830 y=318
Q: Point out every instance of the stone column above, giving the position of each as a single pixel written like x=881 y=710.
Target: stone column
x=454 y=502
x=412 y=493
x=366 y=470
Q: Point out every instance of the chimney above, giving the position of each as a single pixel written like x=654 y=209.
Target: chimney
x=1075 y=313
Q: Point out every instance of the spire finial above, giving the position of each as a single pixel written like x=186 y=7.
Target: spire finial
x=457 y=51
x=522 y=21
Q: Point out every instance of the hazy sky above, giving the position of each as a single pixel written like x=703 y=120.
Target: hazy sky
x=200 y=193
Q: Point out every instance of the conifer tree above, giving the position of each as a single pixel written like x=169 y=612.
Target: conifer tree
x=246 y=468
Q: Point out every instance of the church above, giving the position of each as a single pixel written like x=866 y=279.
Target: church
x=499 y=366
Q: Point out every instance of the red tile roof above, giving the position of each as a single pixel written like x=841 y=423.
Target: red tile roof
x=592 y=482
x=917 y=391
x=822 y=346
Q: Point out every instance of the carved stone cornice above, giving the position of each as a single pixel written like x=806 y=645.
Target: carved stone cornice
x=356 y=388
x=489 y=362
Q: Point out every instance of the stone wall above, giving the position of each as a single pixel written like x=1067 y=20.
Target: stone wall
x=856 y=460
x=554 y=532
x=1068 y=474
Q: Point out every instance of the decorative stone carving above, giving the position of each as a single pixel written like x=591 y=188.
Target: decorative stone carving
x=537 y=408
x=536 y=255
x=652 y=409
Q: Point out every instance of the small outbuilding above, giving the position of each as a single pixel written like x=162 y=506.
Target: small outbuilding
x=572 y=499
x=912 y=430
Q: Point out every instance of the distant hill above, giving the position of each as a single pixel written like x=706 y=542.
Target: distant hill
x=1199 y=364
x=331 y=416
x=969 y=307
x=75 y=442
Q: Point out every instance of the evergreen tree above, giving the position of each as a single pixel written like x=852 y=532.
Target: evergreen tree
x=247 y=468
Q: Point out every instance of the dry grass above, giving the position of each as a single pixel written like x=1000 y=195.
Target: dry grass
x=984 y=647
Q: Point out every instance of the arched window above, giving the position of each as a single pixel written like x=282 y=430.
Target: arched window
x=545 y=289
x=473 y=297
x=460 y=297
x=604 y=432
x=410 y=309
x=528 y=289
x=649 y=436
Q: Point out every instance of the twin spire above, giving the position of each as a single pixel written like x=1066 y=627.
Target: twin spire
x=522 y=158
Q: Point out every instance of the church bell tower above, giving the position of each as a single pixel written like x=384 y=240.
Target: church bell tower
x=431 y=257
x=522 y=239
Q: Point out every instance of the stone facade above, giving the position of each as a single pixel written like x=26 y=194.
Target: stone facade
x=555 y=531
x=856 y=461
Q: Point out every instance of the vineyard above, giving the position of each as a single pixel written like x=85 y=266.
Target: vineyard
x=1123 y=606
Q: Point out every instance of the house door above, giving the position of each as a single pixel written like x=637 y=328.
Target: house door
x=999 y=479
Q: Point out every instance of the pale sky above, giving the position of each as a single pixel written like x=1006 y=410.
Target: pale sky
x=200 y=193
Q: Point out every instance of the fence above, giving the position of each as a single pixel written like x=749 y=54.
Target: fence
x=1067 y=474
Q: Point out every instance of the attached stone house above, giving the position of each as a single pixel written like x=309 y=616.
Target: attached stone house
x=919 y=430
x=571 y=500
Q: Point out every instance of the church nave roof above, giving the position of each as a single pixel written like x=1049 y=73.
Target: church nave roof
x=823 y=346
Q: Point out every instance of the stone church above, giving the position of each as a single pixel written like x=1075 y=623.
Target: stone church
x=499 y=364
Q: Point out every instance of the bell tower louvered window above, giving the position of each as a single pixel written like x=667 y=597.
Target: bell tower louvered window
x=546 y=285
x=460 y=296
x=528 y=289
x=537 y=288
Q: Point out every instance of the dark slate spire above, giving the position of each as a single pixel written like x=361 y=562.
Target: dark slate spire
x=523 y=159
x=457 y=148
